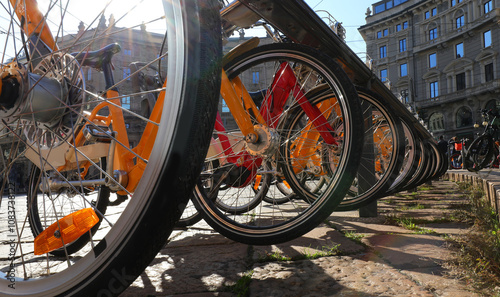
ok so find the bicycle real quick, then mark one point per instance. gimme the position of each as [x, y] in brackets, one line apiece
[78, 142]
[483, 151]
[455, 152]
[305, 114]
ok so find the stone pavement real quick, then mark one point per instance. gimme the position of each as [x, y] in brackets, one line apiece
[346, 256]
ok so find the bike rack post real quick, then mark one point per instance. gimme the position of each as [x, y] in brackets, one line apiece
[366, 169]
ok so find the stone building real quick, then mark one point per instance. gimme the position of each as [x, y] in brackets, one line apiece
[440, 57]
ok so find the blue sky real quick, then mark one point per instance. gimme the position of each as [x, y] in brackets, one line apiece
[351, 14]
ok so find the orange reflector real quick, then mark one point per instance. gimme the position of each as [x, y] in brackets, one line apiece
[286, 184]
[72, 227]
[258, 178]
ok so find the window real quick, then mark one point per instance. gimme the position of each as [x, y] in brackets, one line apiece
[398, 27]
[488, 72]
[493, 105]
[126, 73]
[224, 106]
[402, 45]
[380, 8]
[434, 89]
[379, 34]
[89, 74]
[405, 25]
[488, 7]
[464, 117]
[436, 122]
[386, 32]
[431, 13]
[453, 3]
[383, 51]
[459, 21]
[126, 102]
[383, 74]
[403, 69]
[460, 79]
[387, 5]
[255, 77]
[432, 33]
[459, 50]
[432, 60]
[487, 38]
[127, 52]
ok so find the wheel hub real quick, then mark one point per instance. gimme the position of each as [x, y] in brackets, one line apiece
[41, 98]
[267, 142]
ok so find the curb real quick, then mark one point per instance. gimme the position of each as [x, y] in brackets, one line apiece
[488, 181]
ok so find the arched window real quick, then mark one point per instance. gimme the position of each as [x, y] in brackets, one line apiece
[464, 117]
[494, 105]
[436, 122]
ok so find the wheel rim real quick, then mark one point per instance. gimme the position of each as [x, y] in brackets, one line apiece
[282, 215]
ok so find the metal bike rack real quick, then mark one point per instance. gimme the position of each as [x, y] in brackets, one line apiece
[301, 24]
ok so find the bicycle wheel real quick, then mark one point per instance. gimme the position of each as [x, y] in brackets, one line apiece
[319, 174]
[480, 152]
[383, 153]
[456, 161]
[411, 159]
[189, 217]
[46, 100]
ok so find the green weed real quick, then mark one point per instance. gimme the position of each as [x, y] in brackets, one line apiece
[242, 286]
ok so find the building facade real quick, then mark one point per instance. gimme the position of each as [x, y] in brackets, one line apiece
[440, 57]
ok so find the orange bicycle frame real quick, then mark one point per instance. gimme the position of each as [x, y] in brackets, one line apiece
[123, 159]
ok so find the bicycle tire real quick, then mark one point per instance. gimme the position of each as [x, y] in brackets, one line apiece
[133, 236]
[411, 160]
[189, 217]
[257, 227]
[480, 152]
[456, 161]
[422, 167]
[382, 157]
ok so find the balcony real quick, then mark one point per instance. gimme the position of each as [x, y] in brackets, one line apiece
[478, 90]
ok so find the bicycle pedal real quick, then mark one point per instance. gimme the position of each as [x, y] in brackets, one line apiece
[98, 133]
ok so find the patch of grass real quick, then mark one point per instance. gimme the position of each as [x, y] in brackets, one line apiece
[411, 206]
[416, 206]
[408, 224]
[324, 252]
[388, 201]
[354, 236]
[276, 256]
[477, 253]
[242, 286]
[424, 188]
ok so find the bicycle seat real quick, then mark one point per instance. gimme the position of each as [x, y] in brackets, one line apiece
[96, 59]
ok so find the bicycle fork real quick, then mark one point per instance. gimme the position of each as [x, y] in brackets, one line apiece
[260, 135]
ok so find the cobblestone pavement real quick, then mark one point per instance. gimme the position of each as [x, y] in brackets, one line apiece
[346, 256]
